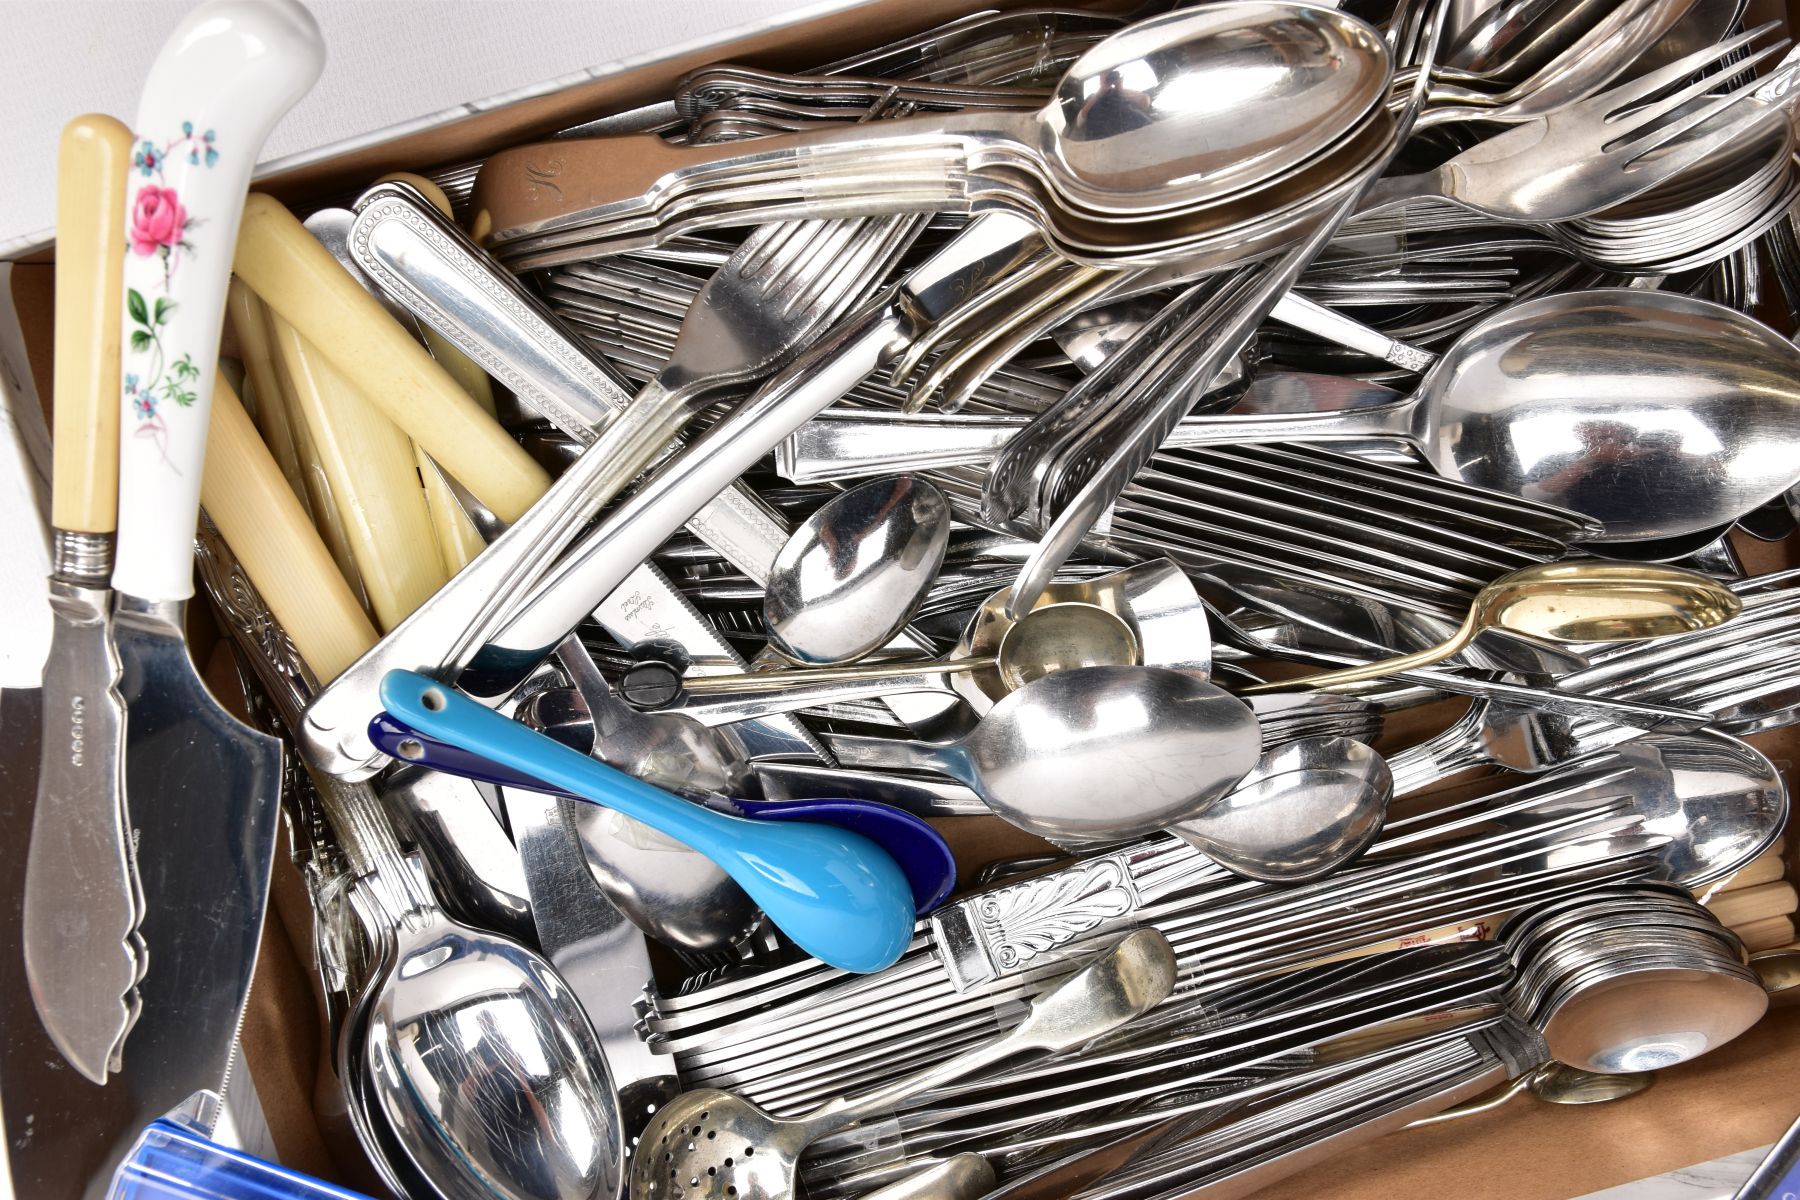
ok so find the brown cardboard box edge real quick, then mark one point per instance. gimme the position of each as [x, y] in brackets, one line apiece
[1739, 1097]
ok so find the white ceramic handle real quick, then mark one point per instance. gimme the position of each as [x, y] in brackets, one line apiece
[230, 70]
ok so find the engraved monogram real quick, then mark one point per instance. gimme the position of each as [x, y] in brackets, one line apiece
[543, 176]
[1026, 920]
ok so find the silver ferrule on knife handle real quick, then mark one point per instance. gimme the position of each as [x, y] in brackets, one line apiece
[81, 559]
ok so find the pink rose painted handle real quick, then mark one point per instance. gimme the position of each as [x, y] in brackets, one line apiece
[225, 76]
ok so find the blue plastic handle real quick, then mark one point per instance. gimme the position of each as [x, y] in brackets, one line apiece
[172, 1162]
[838, 895]
[919, 849]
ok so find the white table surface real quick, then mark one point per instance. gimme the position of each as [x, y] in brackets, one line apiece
[390, 62]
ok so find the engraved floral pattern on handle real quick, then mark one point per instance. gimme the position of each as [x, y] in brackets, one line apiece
[158, 226]
[1033, 918]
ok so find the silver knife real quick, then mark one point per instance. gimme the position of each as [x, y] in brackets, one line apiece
[649, 607]
[83, 903]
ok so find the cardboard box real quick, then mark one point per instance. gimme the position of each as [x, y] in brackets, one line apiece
[1734, 1099]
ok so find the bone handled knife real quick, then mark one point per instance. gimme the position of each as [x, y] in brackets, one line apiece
[82, 903]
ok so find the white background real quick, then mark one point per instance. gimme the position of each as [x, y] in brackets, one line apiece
[388, 62]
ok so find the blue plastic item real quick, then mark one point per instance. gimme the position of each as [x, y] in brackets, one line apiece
[172, 1162]
[919, 849]
[838, 895]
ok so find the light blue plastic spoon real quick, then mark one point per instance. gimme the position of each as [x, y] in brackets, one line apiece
[837, 894]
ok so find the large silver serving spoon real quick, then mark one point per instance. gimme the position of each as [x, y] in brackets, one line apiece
[480, 1060]
[1174, 112]
[1093, 753]
[1307, 808]
[1653, 412]
[852, 575]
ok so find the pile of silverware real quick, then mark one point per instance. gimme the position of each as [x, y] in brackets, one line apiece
[1182, 441]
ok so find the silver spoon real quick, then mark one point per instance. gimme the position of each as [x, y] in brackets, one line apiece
[849, 578]
[1306, 808]
[481, 1061]
[1654, 412]
[1159, 745]
[673, 893]
[1122, 134]
[716, 1144]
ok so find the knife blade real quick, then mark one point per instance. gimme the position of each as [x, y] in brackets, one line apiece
[82, 901]
[203, 787]
[38, 1091]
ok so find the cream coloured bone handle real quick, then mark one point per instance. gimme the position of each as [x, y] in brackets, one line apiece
[299, 279]
[256, 348]
[1767, 867]
[1751, 904]
[261, 518]
[374, 481]
[91, 167]
[1765, 934]
[457, 539]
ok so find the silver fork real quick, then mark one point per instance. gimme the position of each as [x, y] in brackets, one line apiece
[756, 311]
[1598, 153]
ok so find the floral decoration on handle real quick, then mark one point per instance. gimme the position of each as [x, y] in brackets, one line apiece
[159, 227]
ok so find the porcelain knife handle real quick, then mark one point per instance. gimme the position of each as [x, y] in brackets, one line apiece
[294, 275]
[230, 70]
[90, 243]
[249, 500]
[374, 481]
